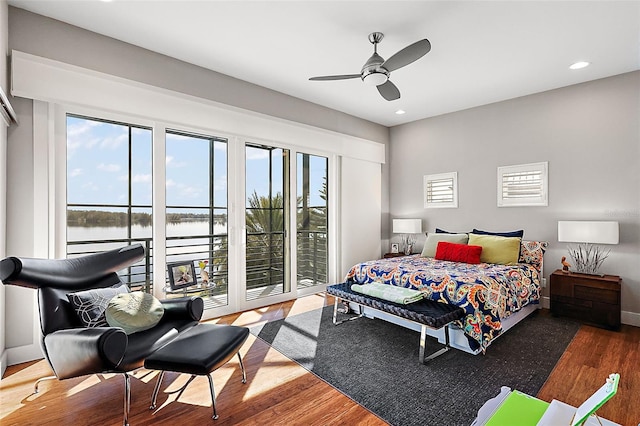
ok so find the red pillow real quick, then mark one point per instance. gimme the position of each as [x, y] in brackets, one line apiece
[458, 252]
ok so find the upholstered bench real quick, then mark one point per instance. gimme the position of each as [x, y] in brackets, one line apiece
[199, 351]
[426, 313]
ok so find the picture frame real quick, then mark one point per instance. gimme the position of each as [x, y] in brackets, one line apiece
[395, 248]
[181, 275]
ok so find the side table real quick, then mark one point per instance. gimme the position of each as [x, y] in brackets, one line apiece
[593, 299]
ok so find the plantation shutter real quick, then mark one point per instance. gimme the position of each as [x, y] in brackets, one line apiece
[523, 185]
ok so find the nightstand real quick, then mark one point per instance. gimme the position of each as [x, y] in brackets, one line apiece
[389, 255]
[590, 298]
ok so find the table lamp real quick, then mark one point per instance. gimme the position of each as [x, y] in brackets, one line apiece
[588, 256]
[407, 227]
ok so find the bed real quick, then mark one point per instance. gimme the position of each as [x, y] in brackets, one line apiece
[494, 296]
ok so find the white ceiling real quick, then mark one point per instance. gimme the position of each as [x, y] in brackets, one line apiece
[482, 51]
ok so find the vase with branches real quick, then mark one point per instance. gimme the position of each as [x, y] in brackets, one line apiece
[588, 257]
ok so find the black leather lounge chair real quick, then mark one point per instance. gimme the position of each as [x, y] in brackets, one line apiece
[73, 349]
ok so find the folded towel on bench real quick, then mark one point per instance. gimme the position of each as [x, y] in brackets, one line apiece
[388, 292]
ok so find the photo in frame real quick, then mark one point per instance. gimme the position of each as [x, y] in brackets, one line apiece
[395, 248]
[181, 274]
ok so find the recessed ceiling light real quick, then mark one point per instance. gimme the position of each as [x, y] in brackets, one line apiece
[578, 65]
[400, 112]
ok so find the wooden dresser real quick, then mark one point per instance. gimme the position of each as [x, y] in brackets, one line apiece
[590, 298]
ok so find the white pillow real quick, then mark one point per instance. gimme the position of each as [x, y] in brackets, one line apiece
[431, 244]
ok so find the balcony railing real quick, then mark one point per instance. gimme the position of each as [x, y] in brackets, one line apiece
[265, 261]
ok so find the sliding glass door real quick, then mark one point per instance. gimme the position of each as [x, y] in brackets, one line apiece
[196, 217]
[312, 220]
[267, 214]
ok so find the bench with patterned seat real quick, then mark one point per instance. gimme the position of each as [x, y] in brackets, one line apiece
[425, 313]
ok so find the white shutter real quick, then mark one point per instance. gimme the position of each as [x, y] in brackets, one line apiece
[523, 185]
[441, 190]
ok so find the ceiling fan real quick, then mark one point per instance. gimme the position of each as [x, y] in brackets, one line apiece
[376, 71]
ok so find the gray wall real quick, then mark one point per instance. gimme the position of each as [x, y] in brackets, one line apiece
[590, 135]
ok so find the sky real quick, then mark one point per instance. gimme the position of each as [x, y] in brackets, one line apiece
[97, 167]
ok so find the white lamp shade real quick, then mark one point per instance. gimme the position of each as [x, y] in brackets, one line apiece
[407, 226]
[595, 232]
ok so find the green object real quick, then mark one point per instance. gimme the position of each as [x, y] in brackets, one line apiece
[133, 312]
[519, 409]
[496, 249]
[596, 400]
[389, 292]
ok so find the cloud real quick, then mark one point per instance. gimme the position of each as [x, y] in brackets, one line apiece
[184, 191]
[111, 168]
[76, 172]
[220, 183]
[113, 143]
[257, 154]
[90, 186]
[172, 164]
[190, 191]
[141, 178]
[79, 135]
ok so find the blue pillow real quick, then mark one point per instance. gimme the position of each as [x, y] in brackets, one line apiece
[518, 234]
[442, 231]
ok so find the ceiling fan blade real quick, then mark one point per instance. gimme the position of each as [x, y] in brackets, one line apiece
[389, 91]
[335, 77]
[409, 54]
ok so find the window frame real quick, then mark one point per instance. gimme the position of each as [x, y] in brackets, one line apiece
[453, 203]
[539, 200]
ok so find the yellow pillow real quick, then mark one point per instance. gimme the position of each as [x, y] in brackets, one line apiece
[496, 249]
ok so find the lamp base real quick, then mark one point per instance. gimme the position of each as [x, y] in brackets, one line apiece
[588, 258]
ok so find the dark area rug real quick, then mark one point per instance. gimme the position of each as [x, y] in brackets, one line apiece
[376, 364]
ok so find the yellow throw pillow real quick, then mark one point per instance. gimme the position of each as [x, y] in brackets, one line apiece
[496, 249]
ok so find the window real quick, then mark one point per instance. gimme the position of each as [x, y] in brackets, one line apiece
[196, 212]
[523, 185]
[312, 220]
[109, 191]
[441, 190]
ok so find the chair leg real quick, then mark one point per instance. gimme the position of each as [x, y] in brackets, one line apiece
[42, 379]
[127, 399]
[244, 375]
[213, 397]
[156, 389]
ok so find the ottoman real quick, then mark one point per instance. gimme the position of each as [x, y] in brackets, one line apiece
[198, 351]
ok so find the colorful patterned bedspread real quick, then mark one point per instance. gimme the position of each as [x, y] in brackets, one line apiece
[487, 292]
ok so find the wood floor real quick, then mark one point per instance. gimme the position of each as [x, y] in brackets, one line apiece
[280, 392]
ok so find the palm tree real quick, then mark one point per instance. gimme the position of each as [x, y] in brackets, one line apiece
[312, 238]
[265, 240]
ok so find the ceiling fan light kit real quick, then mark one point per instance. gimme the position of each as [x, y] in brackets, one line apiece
[375, 78]
[376, 71]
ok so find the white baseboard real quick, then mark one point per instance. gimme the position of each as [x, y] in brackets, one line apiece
[25, 353]
[630, 318]
[545, 302]
[3, 363]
